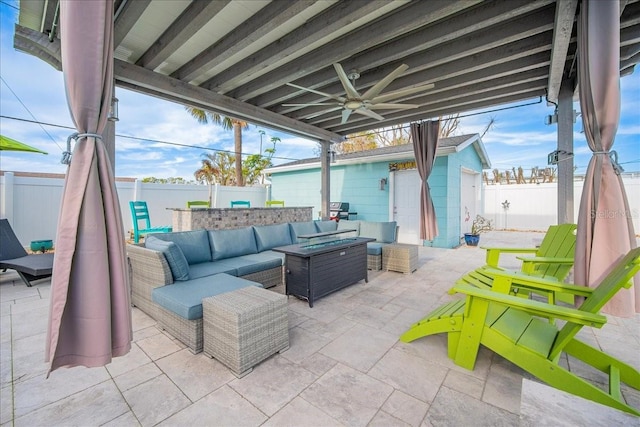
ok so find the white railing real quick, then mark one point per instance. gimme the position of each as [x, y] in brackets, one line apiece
[32, 204]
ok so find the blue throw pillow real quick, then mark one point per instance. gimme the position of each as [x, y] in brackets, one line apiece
[173, 254]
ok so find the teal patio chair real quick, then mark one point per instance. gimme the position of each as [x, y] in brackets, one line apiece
[140, 212]
[240, 203]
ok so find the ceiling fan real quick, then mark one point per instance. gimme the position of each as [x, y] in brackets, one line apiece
[370, 100]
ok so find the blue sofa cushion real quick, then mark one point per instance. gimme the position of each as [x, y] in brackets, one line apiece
[232, 243]
[194, 244]
[173, 254]
[248, 264]
[350, 225]
[272, 254]
[271, 236]
[374, 248]
[324, 226]
[185, 298]
[301, 228]
[381, 231]
[210, 268]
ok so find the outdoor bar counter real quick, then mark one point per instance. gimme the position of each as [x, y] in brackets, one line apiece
[226, 218]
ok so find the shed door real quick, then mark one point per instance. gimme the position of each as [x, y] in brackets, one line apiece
[406, 206]
[469, 199]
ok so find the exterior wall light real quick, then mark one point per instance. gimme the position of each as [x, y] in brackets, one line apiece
[383, 182]
[113, 110]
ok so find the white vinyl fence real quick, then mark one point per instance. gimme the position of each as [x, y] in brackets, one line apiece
[32, 204]
[535, 206]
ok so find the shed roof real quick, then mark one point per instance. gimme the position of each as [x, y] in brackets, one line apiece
[446, 146]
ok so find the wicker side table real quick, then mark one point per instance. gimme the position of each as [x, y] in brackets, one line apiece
[400, 257]
[243, 327]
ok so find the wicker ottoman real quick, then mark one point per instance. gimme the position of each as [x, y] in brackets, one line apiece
[400, 257]
[244, 327]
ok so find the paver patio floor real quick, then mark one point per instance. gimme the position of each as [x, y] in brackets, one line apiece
[345, 365]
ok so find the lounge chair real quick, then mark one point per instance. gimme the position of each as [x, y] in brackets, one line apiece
[553, 259]
[515, 328]
[30, 267]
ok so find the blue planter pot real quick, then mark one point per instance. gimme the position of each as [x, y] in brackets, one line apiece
[41, 245]
[471, 239]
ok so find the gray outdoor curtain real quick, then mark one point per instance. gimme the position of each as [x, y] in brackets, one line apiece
[605, 231]
[425, 143]
[90, 311]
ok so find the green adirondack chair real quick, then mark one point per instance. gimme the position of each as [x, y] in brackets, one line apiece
[553, 259]
[515, 328]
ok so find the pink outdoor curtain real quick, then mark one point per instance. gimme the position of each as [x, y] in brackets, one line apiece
[90, 311]
[605, 231]
[425, 143]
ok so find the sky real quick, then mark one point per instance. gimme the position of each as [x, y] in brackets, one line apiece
[32, 90]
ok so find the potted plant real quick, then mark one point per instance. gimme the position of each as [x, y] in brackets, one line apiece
[480, 225]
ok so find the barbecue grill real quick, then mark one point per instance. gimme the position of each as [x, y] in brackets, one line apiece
[339, 210]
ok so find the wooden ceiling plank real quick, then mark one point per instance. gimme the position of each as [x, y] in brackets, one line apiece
[487, 38]
[190, 21]
[319, 27]
[415, 15]
[260, 24]
[127, 17]
[473, 19]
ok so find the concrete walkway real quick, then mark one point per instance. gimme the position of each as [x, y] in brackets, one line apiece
[345, 365]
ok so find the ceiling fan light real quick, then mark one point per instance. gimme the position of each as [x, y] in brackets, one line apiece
[353, 105]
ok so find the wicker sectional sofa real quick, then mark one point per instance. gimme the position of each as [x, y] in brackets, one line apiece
[173, 272]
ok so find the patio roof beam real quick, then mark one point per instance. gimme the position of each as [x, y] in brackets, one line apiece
[563, 28]
[147, 81]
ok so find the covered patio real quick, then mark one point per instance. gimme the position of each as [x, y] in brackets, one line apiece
[275, 64]
[345, 366]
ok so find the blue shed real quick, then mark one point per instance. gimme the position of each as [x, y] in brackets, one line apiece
[384, 185]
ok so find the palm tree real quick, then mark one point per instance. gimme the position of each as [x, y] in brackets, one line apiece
[227, 123]
[215, 168]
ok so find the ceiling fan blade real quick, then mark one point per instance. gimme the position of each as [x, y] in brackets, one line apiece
[317, 92]
[346, 83]
[309, 105]
[369, 113]
[400, 93]
[345, 115]
[329, 110]
[384, 105]
[378, 87]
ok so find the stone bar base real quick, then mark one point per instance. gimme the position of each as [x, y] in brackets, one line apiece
[222, 219]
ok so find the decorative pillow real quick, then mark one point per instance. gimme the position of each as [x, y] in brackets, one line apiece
[301, 228]
[173, 254]
[324, 226]
[349, 225]
[194, 244]
[232, 243]
[384, 232]
[271, 236]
